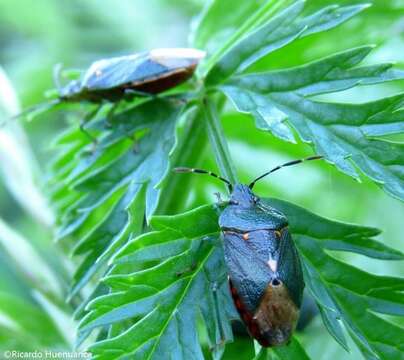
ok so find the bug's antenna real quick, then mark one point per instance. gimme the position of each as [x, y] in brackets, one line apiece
[294, 162]
[32, 111]
[57, 70]
[200, 171]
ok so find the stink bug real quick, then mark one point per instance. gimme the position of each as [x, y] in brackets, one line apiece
[144, 73]
[265, 274]
[122, 78]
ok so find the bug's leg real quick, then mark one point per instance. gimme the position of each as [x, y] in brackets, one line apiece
[194, 249]
[108, 124]
[132, 137]
[179, 99]
[110, 114]
[84, 122]
[130, 93]
[215, 287]
[136, 147]
[85, 132]
[92, 138]
[220, 201]
[189, 269]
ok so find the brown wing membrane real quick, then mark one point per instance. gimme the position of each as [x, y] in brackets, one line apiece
[163, 82]
[275, 318]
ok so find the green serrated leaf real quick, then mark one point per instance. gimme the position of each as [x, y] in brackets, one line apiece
[98, 192]
[168, 295]
[341, 132]
[147, 164]
[165, 292]
[158, 296]
[291, 351]
[222, 18]
[218, 20]
[336, 282]
[279, 31]
[336, 235]
[125, 218]
[332, 323]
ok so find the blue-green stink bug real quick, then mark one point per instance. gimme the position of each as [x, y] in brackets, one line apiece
[264, 269]
[125, 77]
[149, 72]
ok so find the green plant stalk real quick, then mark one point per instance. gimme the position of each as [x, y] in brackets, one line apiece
[218, 141]
[255, 20]
[193, 138]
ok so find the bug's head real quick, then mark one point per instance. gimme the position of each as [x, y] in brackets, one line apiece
[67, 92]
[243, 196]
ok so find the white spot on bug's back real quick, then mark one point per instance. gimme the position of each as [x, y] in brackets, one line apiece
[273, 264]
[97, 68]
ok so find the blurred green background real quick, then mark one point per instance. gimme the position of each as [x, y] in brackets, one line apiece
[36, 35]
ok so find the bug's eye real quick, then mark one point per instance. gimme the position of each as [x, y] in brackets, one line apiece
[256, 199]
[233, 202]
[276, 282]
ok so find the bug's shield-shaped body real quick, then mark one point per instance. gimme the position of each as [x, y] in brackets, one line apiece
[149, 72]
[264, 269]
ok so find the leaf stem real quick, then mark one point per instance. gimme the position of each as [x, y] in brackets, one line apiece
[188, 153]
[218, 141]
[255, 20]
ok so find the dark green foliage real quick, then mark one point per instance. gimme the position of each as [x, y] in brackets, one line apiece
[347, 131]
[120, 177]
[191, 271]
[163, 279]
